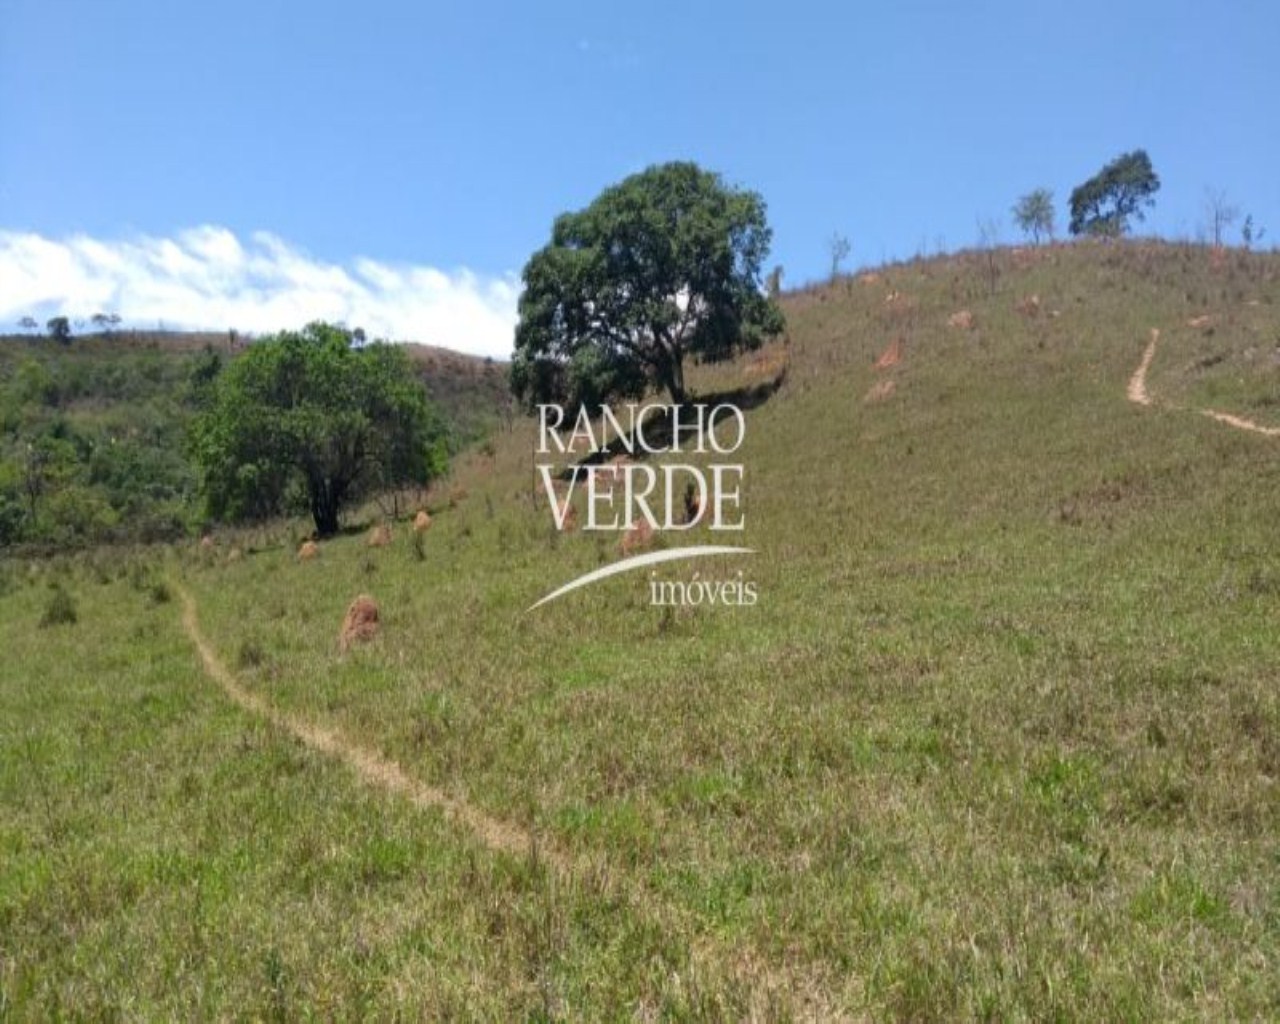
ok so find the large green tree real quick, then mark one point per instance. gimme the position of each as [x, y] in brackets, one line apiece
[1104, 204]
[313, 417]
[661, 267]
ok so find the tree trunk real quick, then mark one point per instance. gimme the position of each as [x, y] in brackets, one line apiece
[324, 507]
[675, 381]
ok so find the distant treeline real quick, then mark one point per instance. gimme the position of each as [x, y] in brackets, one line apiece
[94, 433]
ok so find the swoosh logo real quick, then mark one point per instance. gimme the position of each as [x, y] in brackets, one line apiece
[639, 562]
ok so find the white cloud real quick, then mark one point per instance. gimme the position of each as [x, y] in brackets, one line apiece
[207, 278]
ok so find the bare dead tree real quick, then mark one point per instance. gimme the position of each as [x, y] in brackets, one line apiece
[1219, 215]
[840, 248]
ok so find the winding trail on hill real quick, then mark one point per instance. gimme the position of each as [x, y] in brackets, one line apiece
[771, 985]
[1138, 382]
[372, 767]
[1240, 423]
[1137, 393]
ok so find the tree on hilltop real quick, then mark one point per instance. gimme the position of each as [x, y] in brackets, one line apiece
[1219, 214]
[661, 267]
[1104, 204]
[839, 247]
[105, 322]
[1033, 214]
[59, 328]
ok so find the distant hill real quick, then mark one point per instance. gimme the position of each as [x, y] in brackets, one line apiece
[92, 432]
[471, 391]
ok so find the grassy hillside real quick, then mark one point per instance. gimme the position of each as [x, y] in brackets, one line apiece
[998, 740]
[472, 393]
[93, 433]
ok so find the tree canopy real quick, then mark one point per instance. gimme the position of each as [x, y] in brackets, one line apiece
[59, 328]
[661, 267]
[1033, 214]
[311, 419]
[1104, 203]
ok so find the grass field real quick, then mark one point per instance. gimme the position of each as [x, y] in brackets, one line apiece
[1001, 738]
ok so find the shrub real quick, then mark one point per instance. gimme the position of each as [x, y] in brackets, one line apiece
[60, 611]
[251, 654]
[12, 518]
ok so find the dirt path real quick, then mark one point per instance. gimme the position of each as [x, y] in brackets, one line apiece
[1240, 423]
[372, 767]
[1137, 392]
[789, 986]
[1138, 382]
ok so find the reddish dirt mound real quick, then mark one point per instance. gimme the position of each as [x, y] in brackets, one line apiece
[380, 536]
[360, 622]
[693, 507]
[637, 538]
[1023, 258]
[879, 392]
[613, 472]
[963, 319]
[1028, 306]
[891, 356]
[308, 551]
[421, 522]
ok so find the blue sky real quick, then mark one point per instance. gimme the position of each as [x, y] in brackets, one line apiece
[396, 163]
